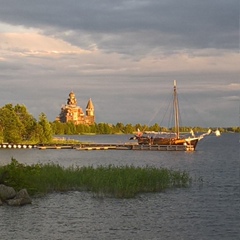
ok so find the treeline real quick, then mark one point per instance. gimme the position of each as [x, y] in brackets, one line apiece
[59, 128]
[101, 128]
[17, 125]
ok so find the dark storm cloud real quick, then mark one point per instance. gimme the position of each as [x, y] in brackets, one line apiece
[130, 26]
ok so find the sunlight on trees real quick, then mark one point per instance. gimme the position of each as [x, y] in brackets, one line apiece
[17, 125]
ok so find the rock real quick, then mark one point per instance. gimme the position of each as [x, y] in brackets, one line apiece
[23, 194]
[6, 192]
[21, 198]
[1, 203]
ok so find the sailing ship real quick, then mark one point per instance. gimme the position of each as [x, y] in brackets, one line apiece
[172, 141]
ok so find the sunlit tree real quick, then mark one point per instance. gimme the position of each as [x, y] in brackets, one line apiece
[45, 130]
[11, 126]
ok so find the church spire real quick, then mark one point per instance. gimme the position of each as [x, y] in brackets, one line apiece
[90, 108]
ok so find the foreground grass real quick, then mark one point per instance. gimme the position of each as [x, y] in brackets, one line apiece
[120, 182]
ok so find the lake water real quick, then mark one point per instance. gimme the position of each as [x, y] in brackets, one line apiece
[208, 210]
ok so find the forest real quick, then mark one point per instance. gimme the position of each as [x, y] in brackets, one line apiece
[17, 125]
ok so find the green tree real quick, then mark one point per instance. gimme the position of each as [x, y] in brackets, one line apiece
[129, 129]
[93, 128]
[70, 128]
[58, 128]
[44, 129]
[119, 128]
[11, 126]
[82, 128]
[155, 128]
[28, 121]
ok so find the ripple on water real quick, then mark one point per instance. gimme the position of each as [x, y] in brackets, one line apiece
[209, 209]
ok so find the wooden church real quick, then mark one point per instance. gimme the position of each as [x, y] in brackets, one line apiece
[71, 112]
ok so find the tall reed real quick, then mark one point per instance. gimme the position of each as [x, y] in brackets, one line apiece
[116, 181]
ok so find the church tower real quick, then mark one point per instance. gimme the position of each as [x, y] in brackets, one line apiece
[90, 116]
[90, 108]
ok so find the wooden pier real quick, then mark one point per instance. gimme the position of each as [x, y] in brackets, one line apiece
[128, 146]
[45, 147]
[104, 146]
[100, 146]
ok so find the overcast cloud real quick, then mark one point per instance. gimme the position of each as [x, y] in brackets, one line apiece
[124, 55]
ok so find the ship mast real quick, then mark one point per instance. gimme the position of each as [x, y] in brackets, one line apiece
[176, 109]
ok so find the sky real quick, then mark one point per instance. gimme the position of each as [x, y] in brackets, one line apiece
[124, 55]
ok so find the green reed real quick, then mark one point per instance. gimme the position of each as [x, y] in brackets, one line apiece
[116, 181]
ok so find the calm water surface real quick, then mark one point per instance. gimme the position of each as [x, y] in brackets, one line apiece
[209, 209]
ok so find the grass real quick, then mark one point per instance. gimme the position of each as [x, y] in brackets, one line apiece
[114, 181]
[63, 140]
